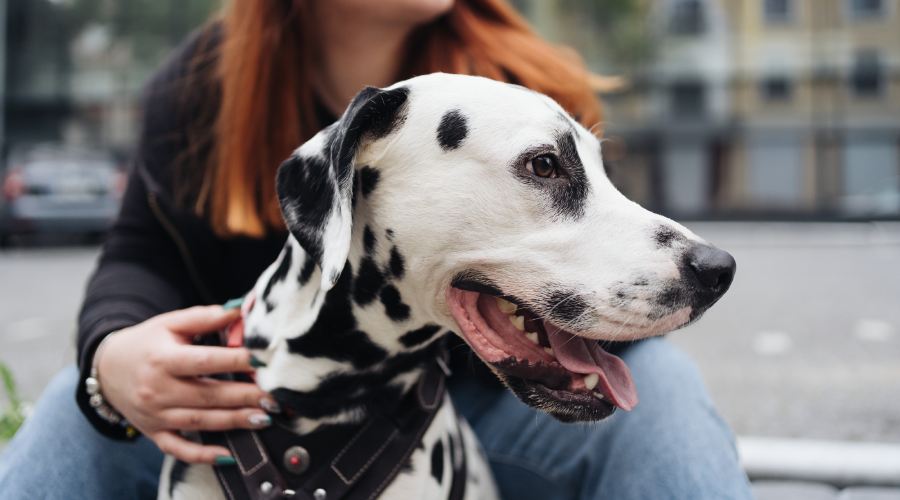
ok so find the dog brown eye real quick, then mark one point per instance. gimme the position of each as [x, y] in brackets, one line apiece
[545, 166]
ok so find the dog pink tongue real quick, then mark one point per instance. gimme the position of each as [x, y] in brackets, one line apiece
[585, 356]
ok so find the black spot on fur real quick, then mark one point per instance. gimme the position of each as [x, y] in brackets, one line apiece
[387, 111]
[309, 265]
[666, 237]
[176, 475]
[397, 264]
[569, 199]
[389, 233]
[566, 305]
[368, 180]
[306, 185]
[305, 193]
[256, 341]
[418, 336]
[368, 240]
[367, 391]
[393, 303]
[334, 335]
[452, 130]
[280, 273]
[437, 461]
[368, 283]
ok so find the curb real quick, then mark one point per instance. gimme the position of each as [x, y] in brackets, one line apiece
[840, 463]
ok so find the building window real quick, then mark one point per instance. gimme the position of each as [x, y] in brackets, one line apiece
[688, 18]
[687, 99]
[866, 79]
[866, 9]
[778, 11]
[776, 88]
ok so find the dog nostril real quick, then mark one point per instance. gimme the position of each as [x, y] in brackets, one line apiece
[713, 268]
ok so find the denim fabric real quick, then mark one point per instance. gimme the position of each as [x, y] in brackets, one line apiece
[57, 454]
[673, 445]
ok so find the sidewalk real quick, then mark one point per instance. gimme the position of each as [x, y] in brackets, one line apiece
[796, 469]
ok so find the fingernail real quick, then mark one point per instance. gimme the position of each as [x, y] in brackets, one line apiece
[256, 362]
[233, 304]
[224, 460]
[260, 420]
[270, 405]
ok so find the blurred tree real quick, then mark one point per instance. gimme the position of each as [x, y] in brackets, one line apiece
[614, 36]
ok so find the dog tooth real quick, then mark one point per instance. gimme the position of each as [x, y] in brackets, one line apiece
[505, 306]
[591, 381]
[518, 322]
[598, 395]
[532, 337]
[549, 350]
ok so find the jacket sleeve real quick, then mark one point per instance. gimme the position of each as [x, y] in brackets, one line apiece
[141, 272]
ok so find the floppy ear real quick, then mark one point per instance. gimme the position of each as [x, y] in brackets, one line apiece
[315, 185]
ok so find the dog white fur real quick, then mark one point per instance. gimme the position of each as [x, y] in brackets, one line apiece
[447, 185]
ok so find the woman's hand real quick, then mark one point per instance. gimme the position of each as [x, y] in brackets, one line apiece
[154, 377]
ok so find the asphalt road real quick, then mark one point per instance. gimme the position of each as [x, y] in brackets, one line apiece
[806, 343]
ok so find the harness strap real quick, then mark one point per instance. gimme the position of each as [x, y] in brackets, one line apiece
[357, 461]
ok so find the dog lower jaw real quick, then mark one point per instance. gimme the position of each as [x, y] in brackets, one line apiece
[529, 367]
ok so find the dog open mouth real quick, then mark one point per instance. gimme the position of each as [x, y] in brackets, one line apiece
[548, 367]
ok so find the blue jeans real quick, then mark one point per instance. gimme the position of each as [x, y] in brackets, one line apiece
[672, 446]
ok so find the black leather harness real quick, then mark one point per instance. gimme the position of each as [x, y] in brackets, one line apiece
[335, 461]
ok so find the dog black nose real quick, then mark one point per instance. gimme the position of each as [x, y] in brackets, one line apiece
[711, 270]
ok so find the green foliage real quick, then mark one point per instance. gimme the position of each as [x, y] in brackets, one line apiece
[612, 35]
[13, 417]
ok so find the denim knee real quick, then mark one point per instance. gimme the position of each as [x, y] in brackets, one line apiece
[57, 452]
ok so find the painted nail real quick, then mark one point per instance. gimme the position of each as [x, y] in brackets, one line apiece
[260, 420]
[233, 304]
[224, 460]
[270, 405]
[256, 362]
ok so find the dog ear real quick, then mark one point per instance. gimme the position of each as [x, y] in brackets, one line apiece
[315, 185]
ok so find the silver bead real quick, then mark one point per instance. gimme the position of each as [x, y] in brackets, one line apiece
[96, 401]
[288, 493]
[266, 487]
[320, 494]
[92, 385]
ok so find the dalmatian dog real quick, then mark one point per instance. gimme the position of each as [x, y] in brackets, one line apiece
[450, 203]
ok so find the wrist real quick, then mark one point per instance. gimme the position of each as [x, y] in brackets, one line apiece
[94, 389]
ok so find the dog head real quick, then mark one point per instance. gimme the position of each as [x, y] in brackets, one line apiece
[497, 211]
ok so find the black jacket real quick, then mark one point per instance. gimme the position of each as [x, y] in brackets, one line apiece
[159, 257]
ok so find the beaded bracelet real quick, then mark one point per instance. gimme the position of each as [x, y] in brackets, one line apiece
[92, 386]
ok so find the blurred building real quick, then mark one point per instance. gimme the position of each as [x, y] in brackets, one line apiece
[773, 108]
[72, 69]
[730, 108]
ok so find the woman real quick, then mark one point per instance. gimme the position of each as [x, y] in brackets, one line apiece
[200, 221]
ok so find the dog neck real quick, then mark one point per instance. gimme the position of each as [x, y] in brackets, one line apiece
[336, 356]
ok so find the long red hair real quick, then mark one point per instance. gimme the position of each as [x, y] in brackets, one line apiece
[267, 102]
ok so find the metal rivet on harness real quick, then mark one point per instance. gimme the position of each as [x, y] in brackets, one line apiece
[266, 487]
[296, 459]
[320, 494]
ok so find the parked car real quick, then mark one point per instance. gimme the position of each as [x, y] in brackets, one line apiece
[53, 190]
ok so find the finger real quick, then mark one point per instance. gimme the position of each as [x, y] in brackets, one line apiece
[198, 319]
[192, 419]
[191, 360]
[208, 393]
[187, 451]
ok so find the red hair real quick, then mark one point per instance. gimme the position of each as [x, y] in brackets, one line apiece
[267, 105]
